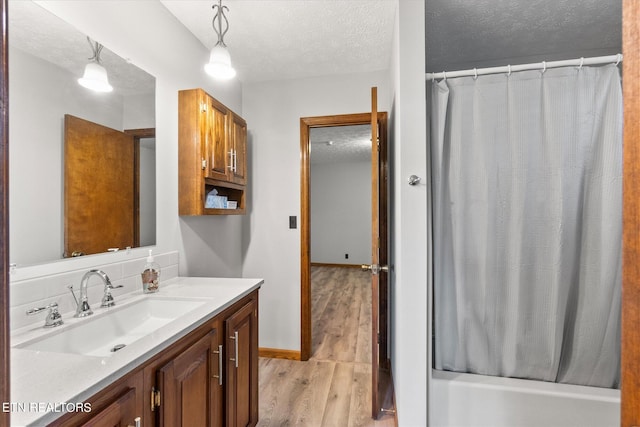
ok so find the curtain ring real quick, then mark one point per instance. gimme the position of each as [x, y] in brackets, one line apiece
[544, 66]
[509, 70]
[444, 76]
[618, 59]
[475, 74]
[581, 63]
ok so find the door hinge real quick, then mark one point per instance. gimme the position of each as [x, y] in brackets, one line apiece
[204, 164]
[155, 398]
[203, 107]
[378, 337]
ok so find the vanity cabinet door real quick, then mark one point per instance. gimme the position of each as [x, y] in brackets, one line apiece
[118, 405]
[121, 412]
[241, 392]
[190, 390]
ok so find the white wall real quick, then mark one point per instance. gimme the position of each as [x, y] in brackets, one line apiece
[139, 111]
[147, 34]
[272, 250]
[341, 212]
[410, 280]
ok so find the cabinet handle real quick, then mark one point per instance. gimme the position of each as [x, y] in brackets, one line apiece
[220, 362]
[136, 422]
[235, 338]
[235, 160]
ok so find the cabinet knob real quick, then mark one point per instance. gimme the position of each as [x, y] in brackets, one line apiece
[137, 422]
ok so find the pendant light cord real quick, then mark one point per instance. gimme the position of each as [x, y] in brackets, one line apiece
[96, 48]
[219, 16]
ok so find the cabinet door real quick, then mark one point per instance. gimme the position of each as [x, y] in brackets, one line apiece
[242, 366]
[190, 395]
[119, 404]
[216, 138]
[238, 144]
[120, 413]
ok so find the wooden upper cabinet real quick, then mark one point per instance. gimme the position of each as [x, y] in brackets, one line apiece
[212, 154]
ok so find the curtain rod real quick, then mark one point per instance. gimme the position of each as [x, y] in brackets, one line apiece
[508, 69]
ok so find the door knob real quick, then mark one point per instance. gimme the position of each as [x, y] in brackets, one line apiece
[375, 268]
[414, 180]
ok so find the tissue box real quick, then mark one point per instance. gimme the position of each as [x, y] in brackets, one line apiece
[215, 202]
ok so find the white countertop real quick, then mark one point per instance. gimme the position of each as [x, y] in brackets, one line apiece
[41, 379]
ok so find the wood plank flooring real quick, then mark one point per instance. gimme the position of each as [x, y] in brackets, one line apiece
[333, 388]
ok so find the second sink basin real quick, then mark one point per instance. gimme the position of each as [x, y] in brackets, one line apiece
[103, 335]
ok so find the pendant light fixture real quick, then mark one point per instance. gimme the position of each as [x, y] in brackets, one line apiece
[219, 65]
[95, 75]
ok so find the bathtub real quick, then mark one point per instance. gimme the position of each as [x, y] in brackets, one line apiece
[476, 400]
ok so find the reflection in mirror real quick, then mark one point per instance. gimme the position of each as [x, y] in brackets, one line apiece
[46, 58]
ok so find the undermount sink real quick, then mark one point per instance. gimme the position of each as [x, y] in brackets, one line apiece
[109, 332]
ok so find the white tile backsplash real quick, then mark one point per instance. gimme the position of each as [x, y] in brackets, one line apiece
[38, 292]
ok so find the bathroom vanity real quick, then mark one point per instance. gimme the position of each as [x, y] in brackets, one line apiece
[198, 367]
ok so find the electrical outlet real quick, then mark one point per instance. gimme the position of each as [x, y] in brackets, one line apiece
[293, 222]
[346, 256]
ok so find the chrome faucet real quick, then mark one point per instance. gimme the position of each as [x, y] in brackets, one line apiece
[83, 309]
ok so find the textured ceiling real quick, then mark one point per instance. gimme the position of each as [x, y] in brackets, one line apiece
[283, 39]
[462, 34]
[38, 32]
[340, 144]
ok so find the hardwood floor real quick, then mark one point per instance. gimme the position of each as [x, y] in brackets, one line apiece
[333, 388]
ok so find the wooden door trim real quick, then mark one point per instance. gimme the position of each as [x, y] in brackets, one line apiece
[630, 342]
[5, 383]
[137, 134]
[306, 123]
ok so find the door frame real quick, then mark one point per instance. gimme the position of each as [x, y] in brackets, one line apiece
[630, 336]
[137, 134]
[5, 371]
[306, 123]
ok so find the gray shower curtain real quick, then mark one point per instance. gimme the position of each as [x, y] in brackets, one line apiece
[527, 218]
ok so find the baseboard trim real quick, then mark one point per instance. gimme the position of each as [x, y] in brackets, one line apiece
[324, 264]
[276, 353]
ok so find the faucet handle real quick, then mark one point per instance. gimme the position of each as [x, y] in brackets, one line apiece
[107, 299]
[54, 318]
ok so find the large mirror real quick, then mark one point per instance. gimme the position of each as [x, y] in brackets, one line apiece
[46, 58]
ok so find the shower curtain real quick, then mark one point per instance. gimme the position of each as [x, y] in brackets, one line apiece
[527, 224]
